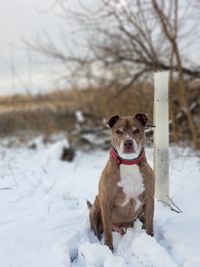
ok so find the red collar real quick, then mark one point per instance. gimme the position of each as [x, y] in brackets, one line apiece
[119, 160]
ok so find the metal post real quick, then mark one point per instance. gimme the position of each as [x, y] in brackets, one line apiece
[161, 135]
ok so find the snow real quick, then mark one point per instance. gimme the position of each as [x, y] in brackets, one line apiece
[44, 217]
[79, 116]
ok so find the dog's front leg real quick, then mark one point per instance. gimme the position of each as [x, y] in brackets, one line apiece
[107, 223]
[148, 215]
[149, 203]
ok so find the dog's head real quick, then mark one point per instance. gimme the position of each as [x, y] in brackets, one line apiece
[128, 137]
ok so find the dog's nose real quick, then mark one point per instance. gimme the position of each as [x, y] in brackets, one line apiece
[128, 143]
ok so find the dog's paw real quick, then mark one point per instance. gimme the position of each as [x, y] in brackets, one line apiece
[122, 230]
[111, 248]
[150, 232]
[110, 245]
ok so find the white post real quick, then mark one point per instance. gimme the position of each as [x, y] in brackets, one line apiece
[161, 135]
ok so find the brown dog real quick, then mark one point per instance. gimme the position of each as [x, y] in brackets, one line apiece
[126, 187]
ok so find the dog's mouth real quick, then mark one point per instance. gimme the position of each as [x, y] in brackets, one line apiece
[129, 150]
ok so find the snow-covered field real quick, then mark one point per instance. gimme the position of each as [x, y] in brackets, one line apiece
[44, 218]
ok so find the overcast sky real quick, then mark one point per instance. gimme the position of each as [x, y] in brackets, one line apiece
[23, 71]
[19, 68]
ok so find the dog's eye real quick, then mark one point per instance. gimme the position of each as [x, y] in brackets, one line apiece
[119, 131]
[136, 131]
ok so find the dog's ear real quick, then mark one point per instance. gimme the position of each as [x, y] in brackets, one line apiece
[141, 117]
[113, 120]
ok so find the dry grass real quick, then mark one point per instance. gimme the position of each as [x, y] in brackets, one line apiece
[101, 102]
[46, 121]
[55, 111]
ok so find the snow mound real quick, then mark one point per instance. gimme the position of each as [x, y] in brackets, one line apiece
[45, 222]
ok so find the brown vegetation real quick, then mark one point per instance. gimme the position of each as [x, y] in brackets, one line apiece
[55, 112]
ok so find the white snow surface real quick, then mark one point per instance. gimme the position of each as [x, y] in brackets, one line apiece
[44, 218]
[79, 116]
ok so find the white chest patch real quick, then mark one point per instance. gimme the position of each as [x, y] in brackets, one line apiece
[131, 182]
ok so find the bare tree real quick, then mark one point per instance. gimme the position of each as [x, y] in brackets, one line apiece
[123, 41]
[171, 35]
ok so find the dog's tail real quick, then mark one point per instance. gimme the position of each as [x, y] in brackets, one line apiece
[89, 204]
